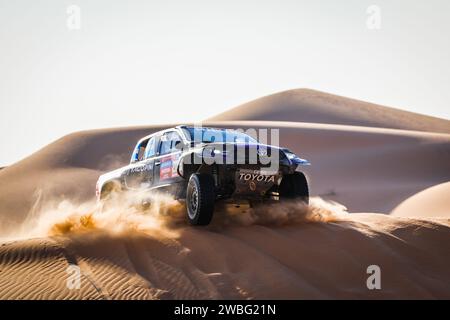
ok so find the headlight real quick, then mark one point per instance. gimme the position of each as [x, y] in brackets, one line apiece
[218, 151]
[290, 155]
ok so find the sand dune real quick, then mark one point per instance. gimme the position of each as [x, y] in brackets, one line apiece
[307, 258]
[431, 202]
[305, 105]
[366, 157]
[69, 166]
[367, 169]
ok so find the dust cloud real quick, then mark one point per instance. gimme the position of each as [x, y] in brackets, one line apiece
[159, 215]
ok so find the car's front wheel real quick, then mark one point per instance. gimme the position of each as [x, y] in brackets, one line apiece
[109, 195]
[200, 199]
[295, 187]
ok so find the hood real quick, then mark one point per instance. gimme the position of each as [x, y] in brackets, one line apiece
[258, 151]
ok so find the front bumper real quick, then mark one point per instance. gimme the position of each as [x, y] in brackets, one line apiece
[255, 183]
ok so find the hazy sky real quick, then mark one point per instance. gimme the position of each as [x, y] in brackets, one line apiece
[145, 62]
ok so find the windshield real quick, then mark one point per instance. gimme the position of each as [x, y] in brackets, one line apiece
[208, 135]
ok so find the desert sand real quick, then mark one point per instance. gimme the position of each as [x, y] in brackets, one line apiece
[380, 182]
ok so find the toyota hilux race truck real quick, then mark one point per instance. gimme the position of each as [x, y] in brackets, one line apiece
[204, 165]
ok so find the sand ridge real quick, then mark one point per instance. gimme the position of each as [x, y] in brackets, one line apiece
[232, 259]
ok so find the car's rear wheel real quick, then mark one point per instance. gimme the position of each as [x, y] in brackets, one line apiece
[200, 199]
[294, 187]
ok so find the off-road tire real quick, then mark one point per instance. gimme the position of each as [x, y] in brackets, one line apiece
[294, 187]
[200, 199]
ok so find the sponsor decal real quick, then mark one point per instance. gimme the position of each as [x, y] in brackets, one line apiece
[165, 171]
[140, 168]
[168, 167]
[256, 177]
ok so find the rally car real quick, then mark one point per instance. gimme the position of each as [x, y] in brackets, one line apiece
[204, 165]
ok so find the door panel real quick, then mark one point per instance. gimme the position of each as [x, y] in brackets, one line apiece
[140, 175]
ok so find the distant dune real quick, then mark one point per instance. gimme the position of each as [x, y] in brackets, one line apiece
[369, 158]
[68, 167]
[305, 105]
[431, 202]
